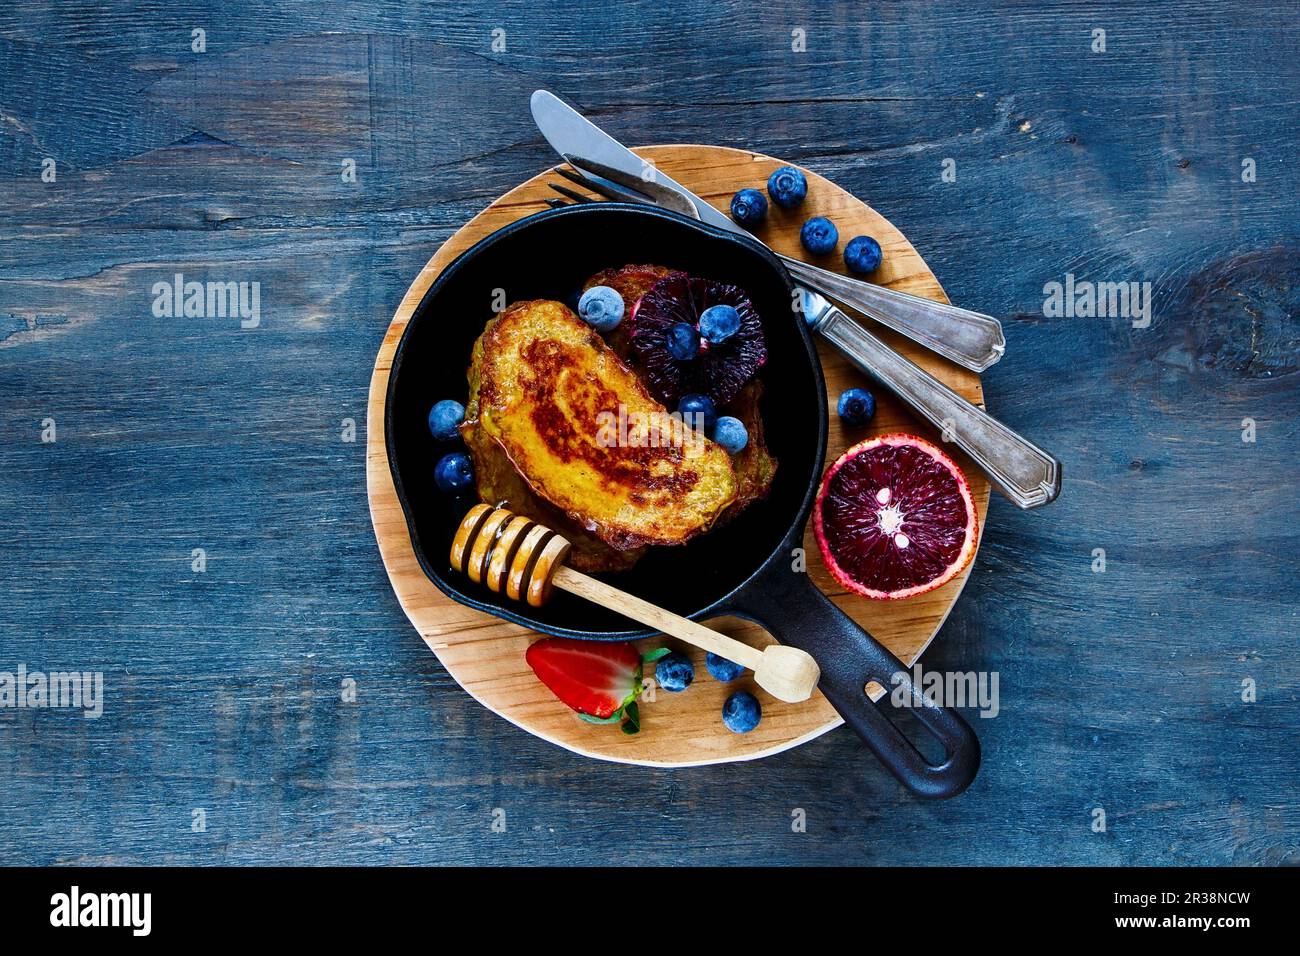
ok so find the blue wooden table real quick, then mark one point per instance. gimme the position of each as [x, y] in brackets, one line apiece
[183, 508]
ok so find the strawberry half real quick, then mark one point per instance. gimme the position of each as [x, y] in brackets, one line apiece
[600, 681]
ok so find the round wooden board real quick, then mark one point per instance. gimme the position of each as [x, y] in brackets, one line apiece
[486, 655]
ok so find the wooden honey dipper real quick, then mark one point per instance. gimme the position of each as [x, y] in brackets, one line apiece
[514, 555]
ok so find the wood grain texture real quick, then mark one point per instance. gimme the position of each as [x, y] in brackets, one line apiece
[1119, 690]
[486, 656]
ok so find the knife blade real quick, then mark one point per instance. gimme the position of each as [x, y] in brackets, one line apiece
[585, 145]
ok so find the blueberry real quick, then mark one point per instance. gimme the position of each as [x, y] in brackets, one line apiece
[454, 472]
[719, 323]
[862, 255]
[730, 434]
[857, 406]
[683, 341]
[674, 672]
[819, 235]
[721, 668]
[601, 307]
[444, 418]
[787, 187]
[742, 712]
[698, 405]
[749, 207]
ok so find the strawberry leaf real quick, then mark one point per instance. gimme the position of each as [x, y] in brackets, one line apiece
[633, 723]
[649, 657]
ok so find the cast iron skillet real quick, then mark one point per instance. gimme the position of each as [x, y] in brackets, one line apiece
[743, 568]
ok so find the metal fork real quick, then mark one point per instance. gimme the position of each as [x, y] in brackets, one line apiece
[1016, 467]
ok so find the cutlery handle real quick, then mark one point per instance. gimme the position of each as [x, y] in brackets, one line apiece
[971, 339]
[1020, 470]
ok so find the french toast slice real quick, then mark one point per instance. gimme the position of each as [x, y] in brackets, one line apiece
[586, 436]
[755, 467]
[500, 485]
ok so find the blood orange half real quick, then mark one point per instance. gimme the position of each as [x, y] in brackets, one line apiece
[894, 517]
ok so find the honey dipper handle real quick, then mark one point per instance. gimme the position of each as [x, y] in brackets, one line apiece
[575, 582]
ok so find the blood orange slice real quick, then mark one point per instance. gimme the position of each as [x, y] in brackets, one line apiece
[720, 370]
[894, 517]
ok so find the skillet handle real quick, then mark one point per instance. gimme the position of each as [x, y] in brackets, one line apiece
[795, 611]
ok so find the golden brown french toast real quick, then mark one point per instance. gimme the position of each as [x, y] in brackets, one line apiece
[549, 392]
[500, 485]
[754, 465]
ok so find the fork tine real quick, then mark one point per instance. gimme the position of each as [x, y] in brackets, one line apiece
[557, 203]
[573, 176]
[603, 186]
[570, 194]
